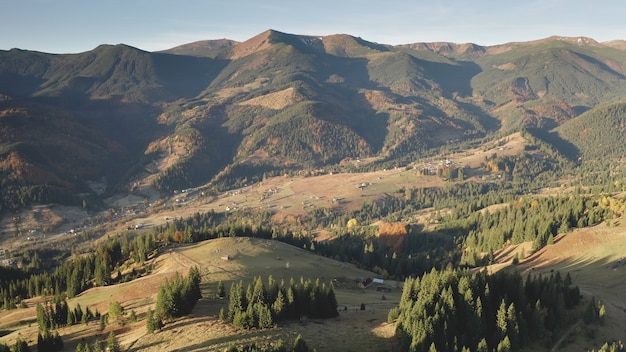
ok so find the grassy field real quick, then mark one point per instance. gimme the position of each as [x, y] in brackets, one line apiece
[249, 258]
[594, 257]
[353, 330]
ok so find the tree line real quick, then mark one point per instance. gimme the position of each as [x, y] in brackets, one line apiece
[261, 305]
[456, 310]
[176, 298]
[299, 345]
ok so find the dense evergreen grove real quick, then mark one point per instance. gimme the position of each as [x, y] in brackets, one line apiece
[262, 305]
[177, 297]
[76, 275]
[14, 196]
[463, 311]
[603, 141]
[19, 346]
[538, 220]
[52, 316]
[299, 345]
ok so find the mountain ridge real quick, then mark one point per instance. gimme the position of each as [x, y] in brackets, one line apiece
[229, 112]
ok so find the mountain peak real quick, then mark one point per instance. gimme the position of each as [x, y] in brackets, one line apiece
[202, 47]
[257, 43]
[350, 46]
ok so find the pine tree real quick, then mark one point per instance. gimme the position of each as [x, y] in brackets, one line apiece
[21, 346]
[237, 301]
[601, 314]
[103, 321]
[115, 309]
[299, 345]
[265, 320]
[221, 291]
[85, 316]
[80, 347]
[329, 301]
[279, 307]
[501, 321]
[482, 346]
[194, 279]
[97, 346]
[259, 292]
[151, 325]
[165, 306]
[504, 345]
[43, 320]
[112, 343]
[513, 329]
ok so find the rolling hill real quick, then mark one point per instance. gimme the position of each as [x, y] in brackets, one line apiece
[597, 272]
[249, 258]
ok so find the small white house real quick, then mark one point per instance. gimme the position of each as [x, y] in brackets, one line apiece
[378, 281]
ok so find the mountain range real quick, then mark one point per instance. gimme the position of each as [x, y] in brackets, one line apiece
[77, 127]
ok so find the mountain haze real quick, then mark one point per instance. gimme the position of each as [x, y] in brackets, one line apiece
[231, 112]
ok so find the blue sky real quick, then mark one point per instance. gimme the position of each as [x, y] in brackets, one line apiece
[71, 26]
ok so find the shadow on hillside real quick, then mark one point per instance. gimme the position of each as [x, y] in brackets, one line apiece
[563, 146]
[321, 335]
[453, 78]
[600, 271]
[19, 85]
[501, 255]
[353, 330]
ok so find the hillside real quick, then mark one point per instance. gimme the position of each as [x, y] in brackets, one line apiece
[456, 168]
[249, 258]
[596, 272]
[598, 133]
[231, 112]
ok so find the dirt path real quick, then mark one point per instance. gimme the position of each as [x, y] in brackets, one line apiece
[565, 335]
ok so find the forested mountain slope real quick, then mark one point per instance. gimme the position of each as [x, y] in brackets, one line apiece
[598, 133]
[230, 112]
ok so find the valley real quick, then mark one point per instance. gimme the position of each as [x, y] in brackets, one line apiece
[287, 198]
[372, 197]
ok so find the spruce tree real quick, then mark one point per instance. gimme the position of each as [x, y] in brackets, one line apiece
[279, 307]
[21, 346]
[482, 346]
[151, 325]
[115, 309]
[112, 343]
[265, 320]
[221, 291]
[97, 346]
[299, 345]
[504, 345]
